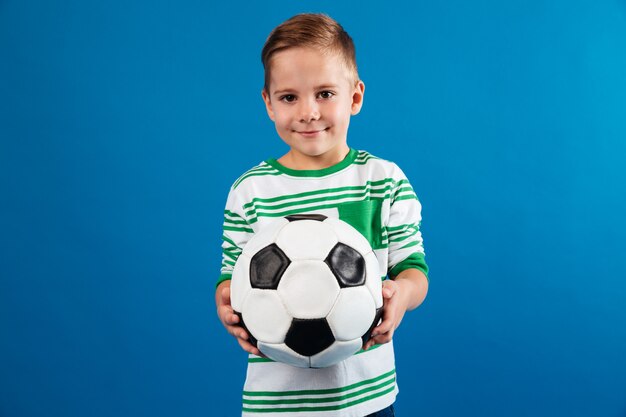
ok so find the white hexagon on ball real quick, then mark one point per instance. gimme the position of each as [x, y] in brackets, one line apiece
[352, 314]
[308, 289]
[306, 239]
[261, 307]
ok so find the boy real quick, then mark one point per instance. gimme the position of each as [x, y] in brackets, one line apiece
[311, 90]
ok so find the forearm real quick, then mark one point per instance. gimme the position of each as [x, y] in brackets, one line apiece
[413, 287]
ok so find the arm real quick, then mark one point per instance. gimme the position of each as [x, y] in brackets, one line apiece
[405, 293]
[229, 319]
[236, 233]
[407, 267]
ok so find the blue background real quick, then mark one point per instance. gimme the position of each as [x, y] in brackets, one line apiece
[123, 124]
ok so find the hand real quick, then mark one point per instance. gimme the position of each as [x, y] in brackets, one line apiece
[394, 307]
[404, 293]
[230, 320]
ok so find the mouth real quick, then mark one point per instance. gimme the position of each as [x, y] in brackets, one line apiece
[311, 133]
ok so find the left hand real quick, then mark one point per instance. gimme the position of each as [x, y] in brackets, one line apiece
[395, 304]
[406, 292]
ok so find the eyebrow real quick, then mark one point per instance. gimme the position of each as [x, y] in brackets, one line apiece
[319, 87]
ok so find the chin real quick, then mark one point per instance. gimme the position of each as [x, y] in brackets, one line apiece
[315, 152]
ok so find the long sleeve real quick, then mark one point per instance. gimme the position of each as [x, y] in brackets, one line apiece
[406, 246]
[236, 233]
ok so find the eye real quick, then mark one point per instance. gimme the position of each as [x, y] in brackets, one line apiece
[288, 98]
[326, 94]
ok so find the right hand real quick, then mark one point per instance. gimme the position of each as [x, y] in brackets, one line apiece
[230, 320]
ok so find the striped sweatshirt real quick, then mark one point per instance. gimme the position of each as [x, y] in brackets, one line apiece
[375, 197]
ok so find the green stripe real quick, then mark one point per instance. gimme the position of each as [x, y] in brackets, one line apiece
[403, 232]
[232, 214]
[326, 408]
[366, 155]
[233, 251]
[227, 240]
[364, 160]
[400, 228]
[407, 197]
[323, 399]
[415, 260]
[336, 199]
[259, 360]
[296, 211]
[233, 256]
[403, 238]
[370, 184]
[227, 220]
[239, 229]
[255, 210]
[318, 391]
[410, 245]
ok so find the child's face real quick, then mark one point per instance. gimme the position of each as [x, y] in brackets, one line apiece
[310, 100]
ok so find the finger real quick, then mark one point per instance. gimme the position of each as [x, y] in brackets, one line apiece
[226, 314]
[369, 344]
[383, 338]
[248, 347]
[231, 318]
[383, 328]
[388, 322]
[237, 332]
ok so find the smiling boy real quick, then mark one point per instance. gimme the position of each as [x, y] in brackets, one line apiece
[311, 90]
[310, 97]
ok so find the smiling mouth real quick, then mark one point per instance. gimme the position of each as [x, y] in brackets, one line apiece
[311, 132]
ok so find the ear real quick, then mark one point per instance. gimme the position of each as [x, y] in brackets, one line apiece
[268, 103]
[357, 97]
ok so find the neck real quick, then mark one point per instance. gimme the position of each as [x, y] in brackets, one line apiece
[296, 160]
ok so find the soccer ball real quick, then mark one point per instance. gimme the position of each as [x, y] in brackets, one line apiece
[308, 290]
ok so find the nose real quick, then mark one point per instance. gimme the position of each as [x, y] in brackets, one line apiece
[309, 111]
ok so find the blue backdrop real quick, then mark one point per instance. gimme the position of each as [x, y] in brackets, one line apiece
[123, 124]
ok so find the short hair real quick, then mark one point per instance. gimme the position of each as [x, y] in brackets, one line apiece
[315, 30]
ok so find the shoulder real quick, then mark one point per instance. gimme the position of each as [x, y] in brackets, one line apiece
[378, 164]
[255, 174]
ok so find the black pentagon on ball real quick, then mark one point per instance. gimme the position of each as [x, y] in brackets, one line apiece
[347, 265]
[309, 336]
[296, 217]
[267, 267]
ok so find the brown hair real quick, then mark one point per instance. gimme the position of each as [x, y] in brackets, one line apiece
[313, 30]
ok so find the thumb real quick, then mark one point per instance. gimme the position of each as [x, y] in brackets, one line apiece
[389, 289]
